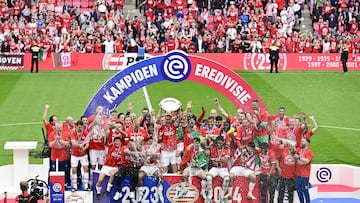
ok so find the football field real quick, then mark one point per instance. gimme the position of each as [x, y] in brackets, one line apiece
[333, 98]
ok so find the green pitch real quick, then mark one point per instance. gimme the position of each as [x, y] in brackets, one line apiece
[332, 97]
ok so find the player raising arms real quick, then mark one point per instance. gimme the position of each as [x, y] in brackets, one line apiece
[97, 133]
[195, 162]
[219, 155]
[167, 137]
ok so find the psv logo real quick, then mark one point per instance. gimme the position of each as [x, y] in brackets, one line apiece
[259, 61]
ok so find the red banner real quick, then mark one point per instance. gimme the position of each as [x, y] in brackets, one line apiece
[307, 62]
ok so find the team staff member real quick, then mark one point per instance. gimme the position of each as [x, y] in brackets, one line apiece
[35, 50]
[274, 57]
[303, 166]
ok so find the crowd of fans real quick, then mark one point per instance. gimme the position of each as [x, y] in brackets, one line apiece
[230, 26]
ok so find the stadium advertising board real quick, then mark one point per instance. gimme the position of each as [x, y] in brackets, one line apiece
[238, 61]
[12, 61]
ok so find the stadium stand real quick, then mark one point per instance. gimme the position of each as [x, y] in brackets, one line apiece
[192, 26]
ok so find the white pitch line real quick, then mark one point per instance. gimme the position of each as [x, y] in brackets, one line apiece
[15, 124]
[337, 127]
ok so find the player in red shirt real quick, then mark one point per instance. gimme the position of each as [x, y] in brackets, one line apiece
[79, 150]
[235, 121]
[292, 133]
[244, 165]
[268, 177]
[276, 136]
[219, 155]
[110, 168]
[245, 133]
[305, 129]
[168, 138]
[97, 133]
[281, 119]
[59, 142]
[303, 158]
[286, 169]
[49, 124]
[210, 132]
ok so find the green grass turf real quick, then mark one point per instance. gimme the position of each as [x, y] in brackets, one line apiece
[331, 96]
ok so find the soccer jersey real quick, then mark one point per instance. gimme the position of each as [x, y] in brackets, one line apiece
[244, 159]
[304, 169]
[168, 137]
[114, 156]
[244, 135]
[59, 151]
[266, 161]
[287, 163]
[80, 138]
[217, 153]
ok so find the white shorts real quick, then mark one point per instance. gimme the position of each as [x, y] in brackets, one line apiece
[168, 157]
[150, 170]
[84, 161]
[180, 147]
[193, 171]
[241, 171]
[106, 170]
[97, 157]
[222, 172]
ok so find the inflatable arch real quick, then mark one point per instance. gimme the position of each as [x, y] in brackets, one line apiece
[175, 66]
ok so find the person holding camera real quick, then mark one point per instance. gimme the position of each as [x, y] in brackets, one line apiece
[274, 57]
[25, 196]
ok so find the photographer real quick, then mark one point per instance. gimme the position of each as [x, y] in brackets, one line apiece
[25, 196]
